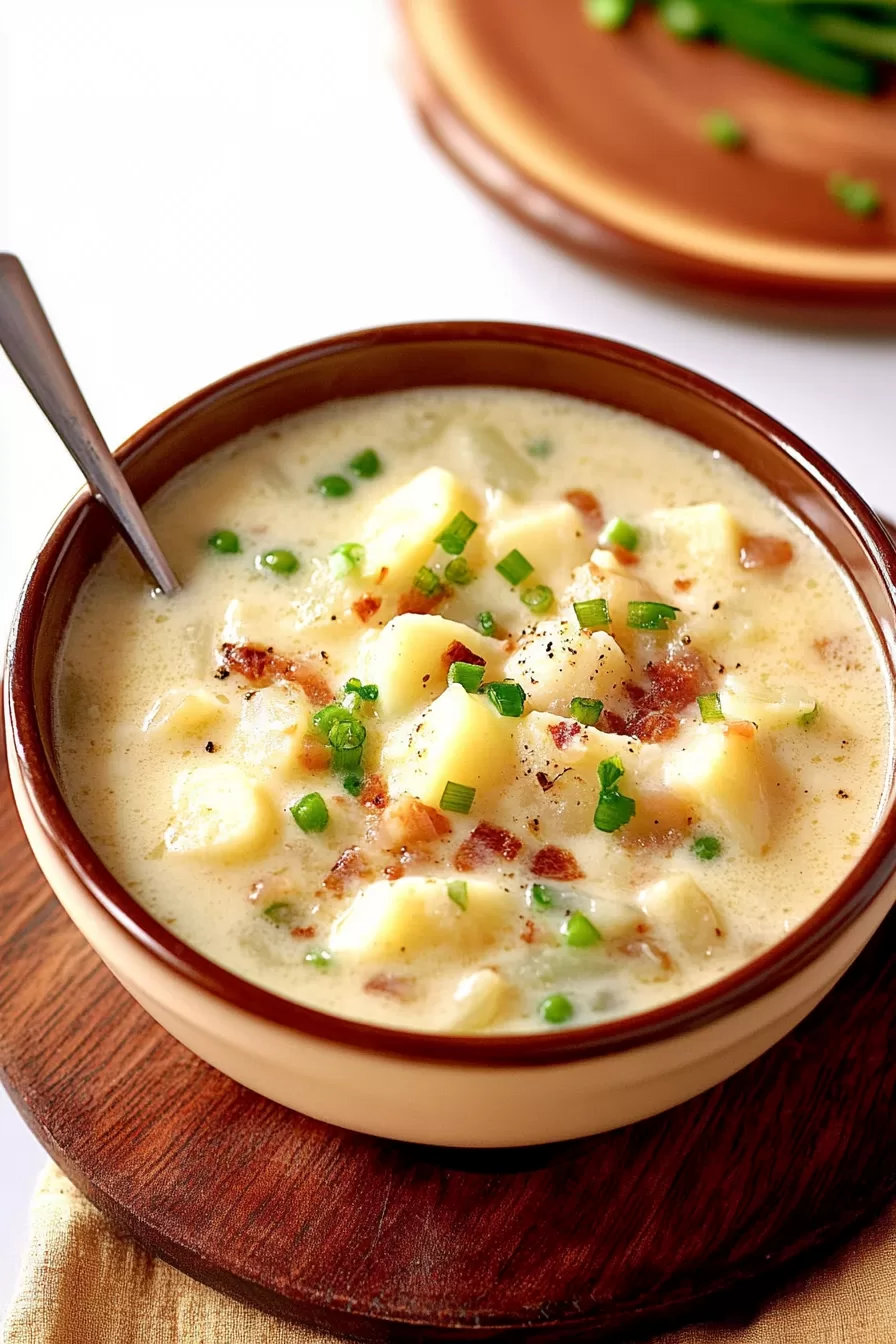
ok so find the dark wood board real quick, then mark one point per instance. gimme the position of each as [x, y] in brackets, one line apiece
[597, 1240]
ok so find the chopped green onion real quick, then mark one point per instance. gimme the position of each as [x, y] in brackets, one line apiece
[468, 675]
[687, 19]
[459, 572]
[585, 710]
[280, 912]
[345, 558]
[456, 535]
[539, 598]
[323, 719]
[310, 813]
[593, 613]
[857, 196]
[514, 567]
[541, 895]
[613, 810]
[608, 14]
[457, 797]
[507, 697]
[334, 487]
[353, 784]
[710, 707]
[366, 464]
[457, 892]
[369, 691]
[808, 716]
[319, 957]
[225, 542]
[427, 581]
[768, 33]
[354, 687]
[609, 772]
[619, 533]
[539, 447]
[555, 1010]
[278, 562]
[651, 615]
[487, 623]
[707, 847]
[579, 931]
[347, 738]
[722, 130]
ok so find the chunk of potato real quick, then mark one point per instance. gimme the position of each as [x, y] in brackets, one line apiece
[700, 539]
[478, 998]
[766, 708]
[272, 723]
[551, 537]
[559, 769]
[415, 915]
[183, 713]
[614, 919]
[678, 902]
[406, 659]
[720, 771]
[483, 452]
[461, 738]
[617, 589]
[220, 813]
[401, 530]
[559, 660]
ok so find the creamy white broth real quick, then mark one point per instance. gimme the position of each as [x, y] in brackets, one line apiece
[390, 946]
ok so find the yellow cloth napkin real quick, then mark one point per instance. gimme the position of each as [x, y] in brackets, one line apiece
[83, 1283]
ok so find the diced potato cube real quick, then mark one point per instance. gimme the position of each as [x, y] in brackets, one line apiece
[483, 452]
[406, 659]
[272, 723]
[614, 919]
[766, 708]
[700, 539]
[677, 901]
[219, 813]
[571, 746]
[560, 660]
[415, 915]
[551, 537]
[183, 713]
[479, 998]
[720, 771]
[617, 589]
[401, 530]
[460, 738]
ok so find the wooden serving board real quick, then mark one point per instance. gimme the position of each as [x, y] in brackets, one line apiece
[594, 140]
[593, 1240]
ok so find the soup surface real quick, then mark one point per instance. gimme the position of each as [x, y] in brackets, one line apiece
[479, 710]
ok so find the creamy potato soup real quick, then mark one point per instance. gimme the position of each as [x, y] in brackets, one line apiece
[479, 710]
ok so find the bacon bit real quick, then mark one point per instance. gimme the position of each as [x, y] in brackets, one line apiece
[624, 557]
[683, 585]
[307, 931]
[552, 861]
[393, 871]
[741, 728]
[653, 725]
[587, 505]
[634, 692]
[563, 733]
[483, 843]
[374, 794]
[351, 863]
[418, 603]
[381, 576]
[400, 987]
[544, 781]
[314, 755]
[263, 666]
[528, 934]
[457, 652]
[611, 722]
[408, 821]
[366, 606]
[765, 552]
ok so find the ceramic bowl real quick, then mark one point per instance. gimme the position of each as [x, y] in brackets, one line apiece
[447, 1089]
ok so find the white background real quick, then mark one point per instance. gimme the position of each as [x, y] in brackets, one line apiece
[196, 184]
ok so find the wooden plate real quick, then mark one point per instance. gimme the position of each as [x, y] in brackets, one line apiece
[584, 1240]
[594, 139]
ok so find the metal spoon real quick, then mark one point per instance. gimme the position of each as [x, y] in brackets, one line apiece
[27, 338]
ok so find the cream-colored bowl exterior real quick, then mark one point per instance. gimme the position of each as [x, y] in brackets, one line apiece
[435, 1102]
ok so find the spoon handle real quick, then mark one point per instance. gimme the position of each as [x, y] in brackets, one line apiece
[27, 338]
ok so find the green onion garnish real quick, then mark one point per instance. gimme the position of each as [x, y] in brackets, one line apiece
[514, 567]
[585, 710]
[487, 623]
[345, 558]
[857, 196]
[650, 615]
[459, 572]
[310, 813]
[323, 719]
[457, 892]
[347, 741]
[319, 957]
[427, 581]
[710, 707]
[593, 613]
[541, 895]
[539, 598]
[507, 697]
[468, 675]
[723, 130]
[579, 931]
[706, 847]
[609, 772]
[225, 541]
[555, 1010]
[456, 535]
[334, 487]
[366, 464]
[619, 533]
[808, 716]
[280, 912]
[613, 809]
[353, 784]
[457, 797]
[539, 447]
[608, 14]
[278, 562]
[354, 687]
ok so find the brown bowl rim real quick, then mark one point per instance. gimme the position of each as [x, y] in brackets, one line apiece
[735, 991]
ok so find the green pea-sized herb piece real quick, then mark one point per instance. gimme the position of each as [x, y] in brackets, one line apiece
[319, 957]
[541, 895]
[455, 536]
[593, 614]
[579, 931]
[539, 598]
[224, 542]
[278, 561]
[857, 196]
[808, 716]
[366, 464]
[468, 675]
[427, 581]
[608, 14]
[555, 1010]
[586, 711]
[457, 797]
[334, 487]
[539, 448]
[514, 567]
[651, 615]
[687, 19]
[710, 707]
[345, 558]
[353, 784]
[487, 623]
[281, 912]
[458, 571]
[706, 847]
[457, 892]
[508, 697]
[719, 128]
[619, 533]
[310, 813]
